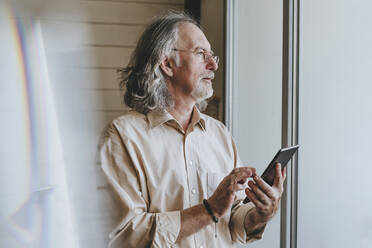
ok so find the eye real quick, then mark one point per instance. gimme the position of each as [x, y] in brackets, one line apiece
[200, 53]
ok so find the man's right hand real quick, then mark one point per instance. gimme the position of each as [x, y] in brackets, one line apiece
[223, 197]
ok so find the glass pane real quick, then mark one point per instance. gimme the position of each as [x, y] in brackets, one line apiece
[257, 90]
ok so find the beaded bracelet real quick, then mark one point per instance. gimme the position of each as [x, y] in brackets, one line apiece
[209, 210]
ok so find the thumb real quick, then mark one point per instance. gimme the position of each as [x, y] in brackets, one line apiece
[278, 179]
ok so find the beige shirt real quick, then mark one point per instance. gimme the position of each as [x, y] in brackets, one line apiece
[157, 170]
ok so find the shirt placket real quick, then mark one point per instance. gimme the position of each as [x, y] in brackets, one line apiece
[194, 194]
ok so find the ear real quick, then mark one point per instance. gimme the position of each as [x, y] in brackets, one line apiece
[166, 67]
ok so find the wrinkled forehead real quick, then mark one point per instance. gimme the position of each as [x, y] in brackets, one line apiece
[191, 37]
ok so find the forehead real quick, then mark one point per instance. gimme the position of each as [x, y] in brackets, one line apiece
[191, 37]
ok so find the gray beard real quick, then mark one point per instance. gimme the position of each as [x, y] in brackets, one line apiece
[202, 91]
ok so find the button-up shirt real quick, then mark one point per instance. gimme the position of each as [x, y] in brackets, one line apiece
[157, 169]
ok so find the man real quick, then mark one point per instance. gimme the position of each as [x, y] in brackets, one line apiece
[176, 170]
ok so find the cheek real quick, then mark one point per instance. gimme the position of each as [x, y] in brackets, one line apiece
[198, 74]
[192, 74]
[197, 80]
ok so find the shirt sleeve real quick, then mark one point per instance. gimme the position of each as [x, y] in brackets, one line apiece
[237, 229]
[138, 227]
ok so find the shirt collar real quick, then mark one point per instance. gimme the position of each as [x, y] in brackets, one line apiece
[158, 117]
[198, 118]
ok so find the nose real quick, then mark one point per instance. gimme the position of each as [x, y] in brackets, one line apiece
[212, 65]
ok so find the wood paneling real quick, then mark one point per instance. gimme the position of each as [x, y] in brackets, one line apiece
[100, 100]
[124, 13]
[115, 35]
[173, 2]
[94, 78]
[84, 44]
[113, 28]
[104, 57]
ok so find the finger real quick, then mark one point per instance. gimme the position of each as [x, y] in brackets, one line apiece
[238, 187]
[284, 173]
[278, 180]
[232, 188]
[261, 196]
[243, 181]
[240, 174]
[253, 198]
[264, 187]
[244, 170]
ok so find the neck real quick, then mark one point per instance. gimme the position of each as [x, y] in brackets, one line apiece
[182, 112]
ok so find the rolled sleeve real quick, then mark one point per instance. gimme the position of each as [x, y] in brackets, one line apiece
[237, 229]
[148, 230]
[167, 228]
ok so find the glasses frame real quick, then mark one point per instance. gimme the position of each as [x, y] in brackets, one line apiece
[206, 54]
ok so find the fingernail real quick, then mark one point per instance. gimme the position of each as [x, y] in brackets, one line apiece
[255, 177]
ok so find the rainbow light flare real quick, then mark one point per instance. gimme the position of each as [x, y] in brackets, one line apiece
[42, 217]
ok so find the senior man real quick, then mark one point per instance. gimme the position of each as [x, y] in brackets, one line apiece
[176, 171]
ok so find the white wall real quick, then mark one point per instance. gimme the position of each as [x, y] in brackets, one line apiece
[335, 168]
[257, 90]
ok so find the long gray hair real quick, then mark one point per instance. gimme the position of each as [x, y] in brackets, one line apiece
[142, 80]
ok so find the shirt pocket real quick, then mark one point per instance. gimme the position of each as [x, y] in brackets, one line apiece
[213, 180]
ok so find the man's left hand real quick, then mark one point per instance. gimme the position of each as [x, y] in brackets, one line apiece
[266, 198]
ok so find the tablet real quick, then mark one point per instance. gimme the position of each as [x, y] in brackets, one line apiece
[282, 156]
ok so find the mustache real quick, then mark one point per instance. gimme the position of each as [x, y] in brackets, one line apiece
[210, 76]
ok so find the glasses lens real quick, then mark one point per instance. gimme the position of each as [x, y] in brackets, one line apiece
[208, 56]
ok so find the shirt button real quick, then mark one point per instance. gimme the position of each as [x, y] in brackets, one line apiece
[201, 246]
[138, 211]
[193, 191]
[190, 162]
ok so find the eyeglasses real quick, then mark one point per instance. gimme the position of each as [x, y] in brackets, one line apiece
[202, 53]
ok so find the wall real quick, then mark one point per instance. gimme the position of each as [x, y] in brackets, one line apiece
[335, 198]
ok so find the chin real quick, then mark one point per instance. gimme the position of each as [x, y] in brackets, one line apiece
[203, 91]
[209, 94]
[200, 96]
[208, 90]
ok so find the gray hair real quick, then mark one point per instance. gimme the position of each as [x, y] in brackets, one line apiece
[142, 80]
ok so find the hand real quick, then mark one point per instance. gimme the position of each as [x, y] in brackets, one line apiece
[266, 198]
[223, 197]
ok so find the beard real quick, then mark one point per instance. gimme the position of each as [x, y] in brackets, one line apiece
[202, 91]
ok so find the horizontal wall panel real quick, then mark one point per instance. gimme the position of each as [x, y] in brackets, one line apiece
[103, 117]
[98, 79]
[115, 35]
[107, 57]
[62, 36]
[119, 12]
[131, 13]
[99, 100]
[90, 34]
[173, 2]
